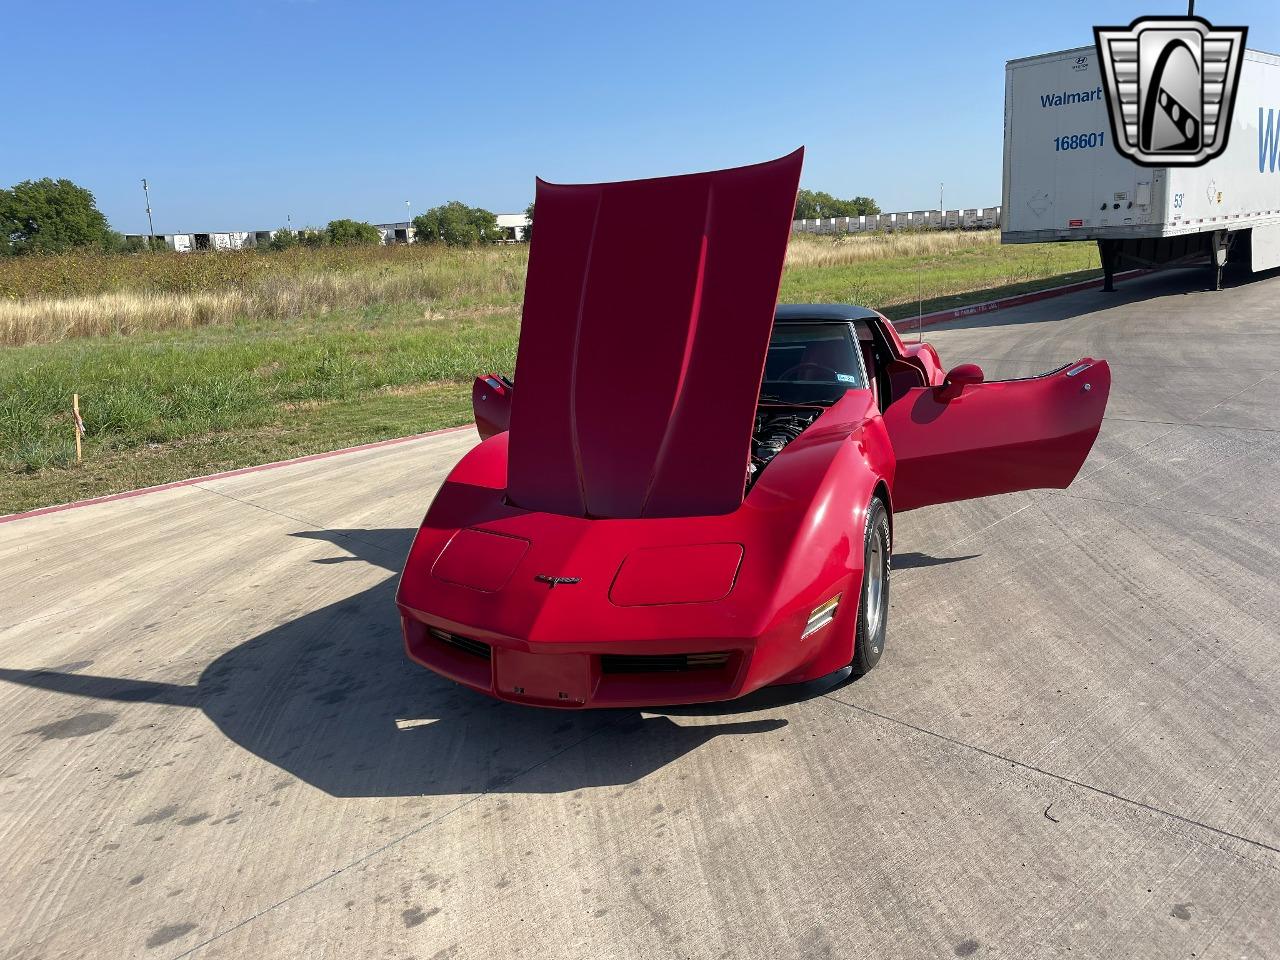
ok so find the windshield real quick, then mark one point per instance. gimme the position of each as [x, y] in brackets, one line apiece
[811, 363]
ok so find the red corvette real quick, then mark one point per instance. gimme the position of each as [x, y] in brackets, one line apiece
[692, 493]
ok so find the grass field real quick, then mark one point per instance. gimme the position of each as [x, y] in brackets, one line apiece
[189, 364]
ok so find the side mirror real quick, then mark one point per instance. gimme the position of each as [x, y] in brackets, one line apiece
[958, 378]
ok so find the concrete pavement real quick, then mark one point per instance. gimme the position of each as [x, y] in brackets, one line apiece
[211, 745]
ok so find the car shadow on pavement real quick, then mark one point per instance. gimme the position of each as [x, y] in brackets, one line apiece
[913, 560]
[330, 698]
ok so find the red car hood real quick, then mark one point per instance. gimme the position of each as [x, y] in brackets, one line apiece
[647, 312]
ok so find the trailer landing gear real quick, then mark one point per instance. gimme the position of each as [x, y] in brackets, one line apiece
[1108, 253]
[1219, 244]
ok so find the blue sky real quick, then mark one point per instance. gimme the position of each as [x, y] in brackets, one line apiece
[243, 113]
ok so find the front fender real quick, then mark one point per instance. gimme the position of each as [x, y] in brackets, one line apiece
[834, 468]
[471, 494]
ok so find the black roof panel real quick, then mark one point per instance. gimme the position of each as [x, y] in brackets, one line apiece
[822, 312]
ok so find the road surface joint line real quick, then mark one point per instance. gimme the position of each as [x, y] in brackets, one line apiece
[258, 506]
[390, 844]
[1198, 426]
[1228, 426]
[313, 524]
[1164, 423]
[1122, 458]
[1260, 844]
[1237, 394]
[1230, 460]
[993, 523]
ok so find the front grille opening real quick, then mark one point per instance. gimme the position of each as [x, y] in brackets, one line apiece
[473, 647]
[663, 663]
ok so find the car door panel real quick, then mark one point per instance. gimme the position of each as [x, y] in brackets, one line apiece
[491, 404]
[995, 437]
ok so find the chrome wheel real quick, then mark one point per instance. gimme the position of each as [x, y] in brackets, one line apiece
[873, 595]
[873, 611]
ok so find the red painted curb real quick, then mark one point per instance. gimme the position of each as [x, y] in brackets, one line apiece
[1017, 300]
[129, 494]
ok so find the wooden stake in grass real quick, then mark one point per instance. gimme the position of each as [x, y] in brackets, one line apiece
[79, 424]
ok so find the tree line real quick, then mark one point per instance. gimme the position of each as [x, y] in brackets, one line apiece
[454, 224]
[54, 216]
[815, 204]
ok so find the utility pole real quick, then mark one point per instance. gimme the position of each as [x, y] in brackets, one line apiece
[408, 211]
[147, 193]
[942, 187]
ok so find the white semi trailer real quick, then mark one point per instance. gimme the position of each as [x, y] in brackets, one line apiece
[1064, 179]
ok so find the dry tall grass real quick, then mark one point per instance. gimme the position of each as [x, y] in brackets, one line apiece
[269, 286]
[834, 250]
[48, 299]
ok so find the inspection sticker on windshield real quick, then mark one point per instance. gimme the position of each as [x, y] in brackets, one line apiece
[846, 378]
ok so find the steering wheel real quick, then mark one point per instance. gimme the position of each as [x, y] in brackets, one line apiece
[807, 365]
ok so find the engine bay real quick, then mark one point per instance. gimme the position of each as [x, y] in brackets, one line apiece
[774, 428]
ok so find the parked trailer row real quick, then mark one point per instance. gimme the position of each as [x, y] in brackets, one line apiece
[513, 226]
[976, 218]
[226, 240]
[247, 239]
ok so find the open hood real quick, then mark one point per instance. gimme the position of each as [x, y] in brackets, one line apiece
[647, 313]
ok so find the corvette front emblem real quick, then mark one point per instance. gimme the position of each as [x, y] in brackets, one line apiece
[551, 581]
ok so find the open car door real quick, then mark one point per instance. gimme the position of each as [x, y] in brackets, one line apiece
[491, 404]
[968, 438]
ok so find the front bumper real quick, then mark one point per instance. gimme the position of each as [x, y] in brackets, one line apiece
[599, 675]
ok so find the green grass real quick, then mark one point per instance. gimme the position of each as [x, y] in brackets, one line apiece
[165, 405]
[342, 424]
[904, 281]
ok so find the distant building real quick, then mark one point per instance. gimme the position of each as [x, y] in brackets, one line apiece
[402, 232]
[513, 226]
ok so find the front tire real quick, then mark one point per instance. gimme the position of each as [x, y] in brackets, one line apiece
[873, 605]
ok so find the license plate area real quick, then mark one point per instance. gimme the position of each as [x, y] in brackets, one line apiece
[557, 679]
